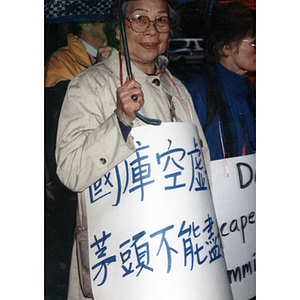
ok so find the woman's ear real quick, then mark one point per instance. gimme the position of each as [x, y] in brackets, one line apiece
[118, 34]
[86, 26]
[230, 50]
[227, 50]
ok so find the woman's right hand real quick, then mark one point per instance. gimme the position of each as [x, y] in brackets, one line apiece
[126, 106]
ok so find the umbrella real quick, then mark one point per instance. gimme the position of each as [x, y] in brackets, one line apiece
[63, 11]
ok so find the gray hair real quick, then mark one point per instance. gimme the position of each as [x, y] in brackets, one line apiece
[113, 22]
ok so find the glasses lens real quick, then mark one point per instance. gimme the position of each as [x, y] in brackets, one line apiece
[162, 24]
[141, 23]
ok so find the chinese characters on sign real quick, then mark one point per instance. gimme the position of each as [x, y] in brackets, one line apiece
[137, 249]
[138, 173]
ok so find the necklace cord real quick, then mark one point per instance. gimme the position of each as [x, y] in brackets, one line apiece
[222, 143]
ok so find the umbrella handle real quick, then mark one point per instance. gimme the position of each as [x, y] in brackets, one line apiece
[128, 66]
[148, 120]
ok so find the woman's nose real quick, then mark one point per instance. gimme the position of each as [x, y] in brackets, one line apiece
[151, 28]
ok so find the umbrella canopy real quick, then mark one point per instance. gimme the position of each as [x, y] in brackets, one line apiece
[63, 11]
[184, 1]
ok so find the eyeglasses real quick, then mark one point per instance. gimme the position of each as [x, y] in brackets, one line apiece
[140, 24]
[251, 44]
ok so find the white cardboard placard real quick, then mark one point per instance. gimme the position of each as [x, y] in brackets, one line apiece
[152, 227]
[235, 205]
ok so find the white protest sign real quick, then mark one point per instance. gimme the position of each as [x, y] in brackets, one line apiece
[152, 227]
[234, 201]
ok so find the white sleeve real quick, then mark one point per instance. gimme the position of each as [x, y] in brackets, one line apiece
[89, 140]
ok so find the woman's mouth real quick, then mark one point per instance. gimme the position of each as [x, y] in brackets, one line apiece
[149, 46]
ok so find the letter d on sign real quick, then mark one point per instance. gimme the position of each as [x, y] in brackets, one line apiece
[242, 173]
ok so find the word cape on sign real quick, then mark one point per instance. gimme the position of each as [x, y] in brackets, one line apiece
[235, 205]
[152, 227]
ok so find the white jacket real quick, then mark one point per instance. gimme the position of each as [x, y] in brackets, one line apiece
[89, 140]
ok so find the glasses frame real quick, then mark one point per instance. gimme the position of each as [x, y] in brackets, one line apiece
[251, 44]
[131, 20]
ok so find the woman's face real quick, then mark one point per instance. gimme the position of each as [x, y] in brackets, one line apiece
[145, 47]
[241, 58]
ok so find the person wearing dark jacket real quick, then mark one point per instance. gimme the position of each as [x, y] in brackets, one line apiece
[223, 96]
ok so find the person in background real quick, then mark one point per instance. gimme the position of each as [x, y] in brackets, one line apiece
[86, 46]
[223, 96]
[82, 43]
[94, 131]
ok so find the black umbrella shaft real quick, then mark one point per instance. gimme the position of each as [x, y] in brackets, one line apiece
[126, 52]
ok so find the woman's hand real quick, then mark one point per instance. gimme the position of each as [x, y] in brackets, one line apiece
[126, 105]
[104, 50]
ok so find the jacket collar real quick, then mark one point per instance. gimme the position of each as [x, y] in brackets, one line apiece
[78, 50]
[112, 62]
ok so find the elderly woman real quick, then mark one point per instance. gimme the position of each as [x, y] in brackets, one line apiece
[223, 96]
[99, 108]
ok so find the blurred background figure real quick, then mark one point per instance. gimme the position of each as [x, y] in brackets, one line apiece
[74, 40]
[86, 40]
[86, 45]
[83, 23]
[86, 23]
[223, 96]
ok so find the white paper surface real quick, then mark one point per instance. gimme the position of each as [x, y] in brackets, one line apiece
[152, 227]
[235, 206]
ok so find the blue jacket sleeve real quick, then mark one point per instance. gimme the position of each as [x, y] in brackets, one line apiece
[124, 129]
[196, 86]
